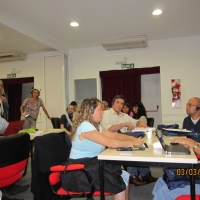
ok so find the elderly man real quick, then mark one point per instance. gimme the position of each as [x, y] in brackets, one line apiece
[192, 122]
[116, 121]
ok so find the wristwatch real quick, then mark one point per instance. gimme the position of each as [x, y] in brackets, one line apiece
[195, 146]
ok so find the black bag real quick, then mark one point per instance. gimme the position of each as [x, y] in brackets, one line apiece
[79, 181]
[163, 127]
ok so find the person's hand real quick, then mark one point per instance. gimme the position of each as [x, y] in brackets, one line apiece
[129, 126]
[3, 99]
[184, 141]
[138, 141]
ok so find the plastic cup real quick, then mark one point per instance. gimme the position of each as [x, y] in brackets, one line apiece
[149, 133]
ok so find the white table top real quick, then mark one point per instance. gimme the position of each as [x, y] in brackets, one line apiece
[149, 154]
[45, 131]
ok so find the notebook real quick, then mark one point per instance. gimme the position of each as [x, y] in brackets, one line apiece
[172, 148]
[13, 127]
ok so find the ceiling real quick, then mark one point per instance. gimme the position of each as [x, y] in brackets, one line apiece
[43, 25]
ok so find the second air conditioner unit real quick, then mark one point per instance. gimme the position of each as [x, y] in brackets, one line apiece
[12, 56]
[126, 43]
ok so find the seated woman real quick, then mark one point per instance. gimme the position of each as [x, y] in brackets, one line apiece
[161, 190]
[139, 112]
[89, 139]
[127, 109]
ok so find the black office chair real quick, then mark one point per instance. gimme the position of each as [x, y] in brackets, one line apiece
[14, 154]
[150, 122]
[55, 122]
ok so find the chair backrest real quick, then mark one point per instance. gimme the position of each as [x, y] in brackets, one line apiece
[150, 121]
[49, 150]
[14, 153]
[55, 122]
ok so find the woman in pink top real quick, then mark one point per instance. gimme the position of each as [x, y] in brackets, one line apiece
[127, 109]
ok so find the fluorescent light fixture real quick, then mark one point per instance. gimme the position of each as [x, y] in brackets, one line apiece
[74, 24]
[157, 12]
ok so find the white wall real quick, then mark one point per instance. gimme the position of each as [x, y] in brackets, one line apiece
[177, 58]
[33, 66]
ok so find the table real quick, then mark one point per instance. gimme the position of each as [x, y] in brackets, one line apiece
[148, 157]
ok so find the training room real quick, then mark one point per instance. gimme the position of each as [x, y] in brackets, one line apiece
[61, 60]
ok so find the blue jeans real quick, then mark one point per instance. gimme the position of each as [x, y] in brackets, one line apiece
[161, 191]
[138, 170]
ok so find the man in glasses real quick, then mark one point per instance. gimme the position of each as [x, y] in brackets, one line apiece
[192, 121]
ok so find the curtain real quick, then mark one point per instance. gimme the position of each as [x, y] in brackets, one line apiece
[124, 82]
[15, 97]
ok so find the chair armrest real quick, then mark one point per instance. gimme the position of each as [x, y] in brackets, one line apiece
[70, 167]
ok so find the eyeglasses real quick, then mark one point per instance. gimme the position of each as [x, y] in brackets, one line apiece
[190, 105]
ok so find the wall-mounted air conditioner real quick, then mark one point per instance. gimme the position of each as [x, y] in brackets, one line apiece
[12, 56]
[126, 43]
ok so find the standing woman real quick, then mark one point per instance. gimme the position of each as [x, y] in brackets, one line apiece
[140, 112]
[3, 102]
[89, 139]
[30, 109]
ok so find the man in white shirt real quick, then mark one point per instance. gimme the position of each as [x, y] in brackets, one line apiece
[116, 121]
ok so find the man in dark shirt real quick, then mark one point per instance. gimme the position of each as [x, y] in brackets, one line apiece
[67, 119]
[192, 121]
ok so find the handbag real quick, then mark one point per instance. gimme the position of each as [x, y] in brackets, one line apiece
[113, 181]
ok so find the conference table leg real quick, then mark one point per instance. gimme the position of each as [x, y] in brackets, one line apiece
[192, 184]
[101, 179]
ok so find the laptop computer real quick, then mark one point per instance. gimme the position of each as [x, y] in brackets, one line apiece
[13, 127]
[172, 148]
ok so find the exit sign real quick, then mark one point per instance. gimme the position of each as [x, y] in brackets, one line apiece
[11, 75]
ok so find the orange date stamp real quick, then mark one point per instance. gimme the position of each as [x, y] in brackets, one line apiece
[189, 171]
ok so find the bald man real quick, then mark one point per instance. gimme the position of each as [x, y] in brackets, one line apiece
[192, 121]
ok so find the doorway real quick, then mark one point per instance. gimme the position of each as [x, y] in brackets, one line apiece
[14, 90]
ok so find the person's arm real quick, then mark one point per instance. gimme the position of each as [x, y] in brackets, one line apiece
[100, 138]
[106, 123]
[45, 111]
[22, 109]
[141, 124]
[115, 128]
[5, 102]
[66, 131]
[188, 142]
[118, 136]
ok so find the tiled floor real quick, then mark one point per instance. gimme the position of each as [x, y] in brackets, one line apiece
[136, 193]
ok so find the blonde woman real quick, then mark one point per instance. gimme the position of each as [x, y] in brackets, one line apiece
[89, 139]
[3, 102]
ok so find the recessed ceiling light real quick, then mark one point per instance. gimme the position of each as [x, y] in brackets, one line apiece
[157, 12]
[74, 24]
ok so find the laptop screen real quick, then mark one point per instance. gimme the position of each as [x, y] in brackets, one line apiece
[159, 134]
